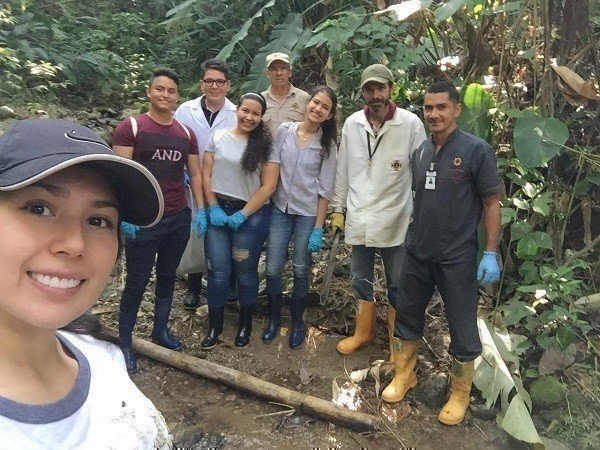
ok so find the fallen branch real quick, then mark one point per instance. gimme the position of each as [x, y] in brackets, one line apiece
[301, 402]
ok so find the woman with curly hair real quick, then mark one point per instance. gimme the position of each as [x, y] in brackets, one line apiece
[239, 175]
[307, 154]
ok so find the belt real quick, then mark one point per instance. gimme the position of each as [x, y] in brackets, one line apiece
[235, 204]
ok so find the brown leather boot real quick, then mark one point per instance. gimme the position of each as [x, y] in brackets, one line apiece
[461, 378]
[364, 331]
[391, 322]
[405, 360]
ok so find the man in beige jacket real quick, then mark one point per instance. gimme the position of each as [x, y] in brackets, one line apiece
[373, 187]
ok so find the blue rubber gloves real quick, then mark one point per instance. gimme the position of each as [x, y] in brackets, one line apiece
[315, 241]
[199, 222]
[216, 215]
[235, 220]
[488, 271]
[129, 230]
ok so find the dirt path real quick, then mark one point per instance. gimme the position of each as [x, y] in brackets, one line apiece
[203, 414]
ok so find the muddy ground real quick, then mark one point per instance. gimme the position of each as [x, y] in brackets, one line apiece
[204, 414]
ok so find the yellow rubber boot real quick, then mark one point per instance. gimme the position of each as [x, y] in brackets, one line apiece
[461, 378]
[391, 322]
[405, 360]
[364, 331]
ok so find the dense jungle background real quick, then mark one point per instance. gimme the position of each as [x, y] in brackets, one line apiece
[529, 72]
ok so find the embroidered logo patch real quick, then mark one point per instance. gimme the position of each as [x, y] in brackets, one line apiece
[295, 107]
[396, 165]
[457, 161]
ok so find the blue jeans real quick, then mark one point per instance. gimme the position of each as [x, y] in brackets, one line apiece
[362, 266]
[167, 239]
[283, 227]
[238, 250]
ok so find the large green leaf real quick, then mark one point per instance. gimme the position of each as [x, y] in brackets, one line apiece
[336, 32]
[475, 117]
[519, 229]
[495, 380]
[542, 239]
[289, 37]
[538, 139]
[240, 35]
[448, 9]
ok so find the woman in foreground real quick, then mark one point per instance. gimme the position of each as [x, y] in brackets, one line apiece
[60, 210]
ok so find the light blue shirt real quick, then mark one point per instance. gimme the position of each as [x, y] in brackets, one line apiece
[304, 174]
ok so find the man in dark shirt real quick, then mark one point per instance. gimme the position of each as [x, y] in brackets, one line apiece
[166, 147]
[455, 182]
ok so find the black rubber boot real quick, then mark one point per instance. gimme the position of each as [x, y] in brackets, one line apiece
[245, 326]
[130, 360]
[298, 333]
[191, 299]
[272, 329]
[160, 334]
[215, 326]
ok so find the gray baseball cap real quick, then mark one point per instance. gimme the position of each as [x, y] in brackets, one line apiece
[33, 149]
[376, 72]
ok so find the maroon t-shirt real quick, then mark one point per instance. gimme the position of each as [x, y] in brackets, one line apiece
[163, 150]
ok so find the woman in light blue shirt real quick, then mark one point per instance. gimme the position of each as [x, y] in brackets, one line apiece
[307, 154]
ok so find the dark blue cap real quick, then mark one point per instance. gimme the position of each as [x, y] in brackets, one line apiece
[33, 149]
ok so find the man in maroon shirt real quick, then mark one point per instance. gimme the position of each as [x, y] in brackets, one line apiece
[165, 147]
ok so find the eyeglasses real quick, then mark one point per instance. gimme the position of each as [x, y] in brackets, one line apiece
[209, 82]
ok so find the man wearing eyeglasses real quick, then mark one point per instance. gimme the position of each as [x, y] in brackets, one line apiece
[285, 103]
[206, 114]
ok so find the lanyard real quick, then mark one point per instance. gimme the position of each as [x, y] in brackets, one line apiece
[372, 152]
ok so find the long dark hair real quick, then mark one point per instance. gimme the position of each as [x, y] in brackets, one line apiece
[260, 141]
[329, 127]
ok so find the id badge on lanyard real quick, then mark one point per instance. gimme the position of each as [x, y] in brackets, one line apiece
[430, 177]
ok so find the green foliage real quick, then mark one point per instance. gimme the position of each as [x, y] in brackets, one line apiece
[78, 52]
[538, 139]
[240, 35]
[476, 116]
[540, 294]
[288, 37]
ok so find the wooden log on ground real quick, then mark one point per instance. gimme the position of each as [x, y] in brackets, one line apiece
[301, 402]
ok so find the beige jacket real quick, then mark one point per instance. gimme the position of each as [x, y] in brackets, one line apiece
[376, 193]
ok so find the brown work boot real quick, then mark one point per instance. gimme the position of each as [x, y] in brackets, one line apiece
[391, 323]
[364, 331]
[461, 378]
[405, 360]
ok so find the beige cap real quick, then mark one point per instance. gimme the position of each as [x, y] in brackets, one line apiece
[278, 57]
[376, 72]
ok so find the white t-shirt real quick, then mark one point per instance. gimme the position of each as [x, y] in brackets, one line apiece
[229, 177]
[104, 410]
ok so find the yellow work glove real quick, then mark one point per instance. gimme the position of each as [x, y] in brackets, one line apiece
[337, 221]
